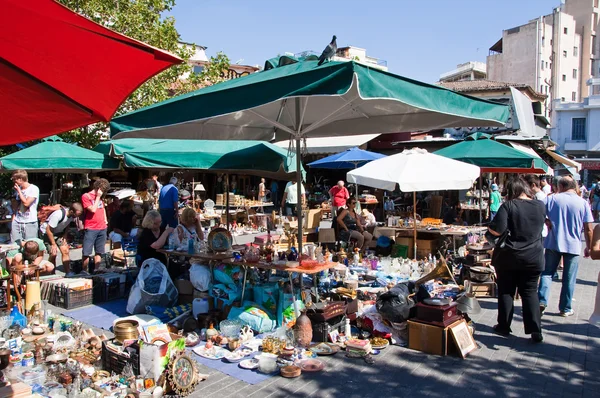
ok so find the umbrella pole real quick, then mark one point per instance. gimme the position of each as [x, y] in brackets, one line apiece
[415, 224]
[193, 195]
[227, 200]
[53, 195]
[299, 194]
[356, 186]
[480, 200]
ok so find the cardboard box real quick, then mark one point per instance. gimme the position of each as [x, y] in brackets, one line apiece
[408, 243]
[430, 339]
[184, 287]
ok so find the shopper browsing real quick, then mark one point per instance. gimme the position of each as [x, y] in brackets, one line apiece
[168, 203]
[95, 223]
[568, 215]
[55, 233]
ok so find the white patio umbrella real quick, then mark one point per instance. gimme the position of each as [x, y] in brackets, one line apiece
[415, 170]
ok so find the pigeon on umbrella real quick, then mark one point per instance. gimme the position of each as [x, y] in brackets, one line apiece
[329, 51]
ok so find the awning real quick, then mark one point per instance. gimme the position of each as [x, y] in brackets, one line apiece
[331, 144]
[530, 151]
[564, 160]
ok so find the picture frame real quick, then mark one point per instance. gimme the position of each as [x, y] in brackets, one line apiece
[334, 336]
[463, 338]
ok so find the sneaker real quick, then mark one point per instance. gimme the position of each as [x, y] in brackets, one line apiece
[542, 309]
[84, 273]
[567, 313]
[70, 274]
[537, 337]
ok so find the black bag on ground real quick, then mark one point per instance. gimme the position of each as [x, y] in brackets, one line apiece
[395, 305]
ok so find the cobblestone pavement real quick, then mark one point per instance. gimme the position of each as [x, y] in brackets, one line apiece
[567, 364]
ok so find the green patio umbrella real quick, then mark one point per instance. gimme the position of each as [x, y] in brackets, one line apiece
[305, 100]
[251, 157]
[53, 155]
[56, 156]
[493, 157]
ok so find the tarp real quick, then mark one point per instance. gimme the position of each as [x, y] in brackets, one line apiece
[562, 159]
[249, 157]
[55, 155]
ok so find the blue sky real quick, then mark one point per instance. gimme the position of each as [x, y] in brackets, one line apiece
[419, 39]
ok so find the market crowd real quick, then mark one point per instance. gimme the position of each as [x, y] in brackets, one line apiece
[535, 230]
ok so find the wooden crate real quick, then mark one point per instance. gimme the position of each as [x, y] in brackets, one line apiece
[486, 289]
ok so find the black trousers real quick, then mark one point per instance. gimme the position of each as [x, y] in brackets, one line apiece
[527, 282]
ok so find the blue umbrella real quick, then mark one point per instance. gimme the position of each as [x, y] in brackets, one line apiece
[349, 159]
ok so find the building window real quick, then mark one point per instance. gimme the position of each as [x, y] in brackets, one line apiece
[562, 99]
[542, 65]
[578, 129]
[574, 73]
[573, 96]
[543, 41]
[575, 51]
[547, 64]
[565, 54]
[565, 31]
[564, 78]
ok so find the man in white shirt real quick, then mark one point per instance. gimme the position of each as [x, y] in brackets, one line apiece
[546, 188]
[25, 221]
[290, 198]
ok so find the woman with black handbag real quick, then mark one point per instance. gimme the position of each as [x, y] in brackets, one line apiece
[519, 257]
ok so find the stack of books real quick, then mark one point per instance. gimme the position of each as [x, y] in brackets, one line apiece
[358, 348]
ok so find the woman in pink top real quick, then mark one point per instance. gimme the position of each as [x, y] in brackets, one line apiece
[338, 195]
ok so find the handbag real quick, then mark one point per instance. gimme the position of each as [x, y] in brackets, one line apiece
[499, 241]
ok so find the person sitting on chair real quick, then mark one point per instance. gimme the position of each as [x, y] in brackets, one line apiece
[350, 226]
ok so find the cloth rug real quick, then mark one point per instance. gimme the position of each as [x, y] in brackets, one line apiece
[100, 315]
[232, 369]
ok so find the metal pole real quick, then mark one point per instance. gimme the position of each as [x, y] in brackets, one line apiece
[299, 117]
[480, 199]
[227, 200]
[415, 224]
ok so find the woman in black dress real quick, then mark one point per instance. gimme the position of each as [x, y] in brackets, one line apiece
[520, 261]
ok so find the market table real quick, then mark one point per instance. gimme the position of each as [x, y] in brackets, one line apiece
[452, 231]
[290, 270]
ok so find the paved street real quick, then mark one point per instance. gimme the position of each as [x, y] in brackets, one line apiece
[567, 364]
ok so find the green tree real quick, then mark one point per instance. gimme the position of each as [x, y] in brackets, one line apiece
[144, 20]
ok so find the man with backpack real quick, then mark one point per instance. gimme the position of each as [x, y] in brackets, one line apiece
[54, 221]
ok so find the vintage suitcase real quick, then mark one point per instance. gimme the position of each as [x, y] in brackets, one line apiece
[323, 312]
[443, 316]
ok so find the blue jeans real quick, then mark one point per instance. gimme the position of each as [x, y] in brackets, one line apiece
[571, 265]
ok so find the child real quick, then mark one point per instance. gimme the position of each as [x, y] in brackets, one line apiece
[32, 251]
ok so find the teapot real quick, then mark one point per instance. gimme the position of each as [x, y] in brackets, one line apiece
[246, 334]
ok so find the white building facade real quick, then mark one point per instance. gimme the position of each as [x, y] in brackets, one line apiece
[545, 54]
[468, 71]
[576, 129]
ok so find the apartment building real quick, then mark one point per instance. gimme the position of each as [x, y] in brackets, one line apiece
[544, 53]
[468, 71]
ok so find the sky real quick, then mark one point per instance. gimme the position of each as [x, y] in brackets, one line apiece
[419, 39]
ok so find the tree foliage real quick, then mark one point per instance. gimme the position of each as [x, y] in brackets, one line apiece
[144, 20]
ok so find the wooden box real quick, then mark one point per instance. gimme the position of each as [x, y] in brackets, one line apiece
[486, 289]
[431, 339]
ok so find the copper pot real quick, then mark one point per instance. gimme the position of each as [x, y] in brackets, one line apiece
[303, 331]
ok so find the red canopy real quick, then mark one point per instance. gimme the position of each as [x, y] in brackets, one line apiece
[60, 71]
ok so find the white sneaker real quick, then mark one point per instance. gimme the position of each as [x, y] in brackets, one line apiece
[567, 313]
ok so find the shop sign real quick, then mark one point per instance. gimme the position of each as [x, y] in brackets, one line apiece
[590, 165]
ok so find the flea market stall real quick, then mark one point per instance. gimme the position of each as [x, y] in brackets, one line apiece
[269, 308]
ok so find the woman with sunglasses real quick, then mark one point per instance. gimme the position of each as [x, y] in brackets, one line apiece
[350, 226]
